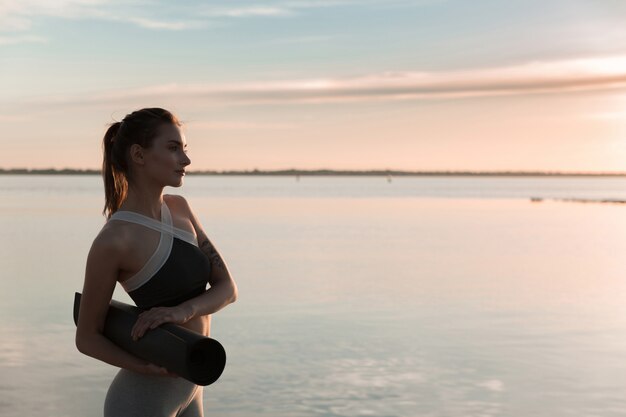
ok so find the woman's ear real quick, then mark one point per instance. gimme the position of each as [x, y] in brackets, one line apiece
[136, 153]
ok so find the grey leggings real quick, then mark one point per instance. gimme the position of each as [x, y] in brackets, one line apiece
[132, 394]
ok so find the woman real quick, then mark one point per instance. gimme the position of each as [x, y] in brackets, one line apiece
[154, 245]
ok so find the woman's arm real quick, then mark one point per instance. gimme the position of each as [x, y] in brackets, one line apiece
[100, 279]
[223, 289]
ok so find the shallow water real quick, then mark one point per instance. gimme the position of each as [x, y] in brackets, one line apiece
[420, 297]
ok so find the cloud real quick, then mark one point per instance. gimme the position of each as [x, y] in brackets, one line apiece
[17, 15]
[247, 11]
[492, 385]
[290, 8]
[9, 23]
[11, 40]
[608, 115]
[336, 3]
[159, 24]
[12, 118]
[242, 125]
[530, 78]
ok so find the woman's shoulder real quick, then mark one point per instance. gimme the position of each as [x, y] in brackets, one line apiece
[174, 199]
[112, 240]
[178, 203]
[113, 233]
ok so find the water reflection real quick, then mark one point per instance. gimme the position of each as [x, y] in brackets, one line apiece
[348, 306]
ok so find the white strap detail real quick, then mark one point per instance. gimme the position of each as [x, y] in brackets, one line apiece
[159, 226]
[162, 252]
[151, 267]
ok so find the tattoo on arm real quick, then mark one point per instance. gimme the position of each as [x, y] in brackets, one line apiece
[214, 257]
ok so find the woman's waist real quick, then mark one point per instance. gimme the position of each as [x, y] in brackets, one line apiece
[200, 324]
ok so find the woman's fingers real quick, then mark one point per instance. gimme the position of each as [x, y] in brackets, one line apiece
[153, 318]
[146, 320]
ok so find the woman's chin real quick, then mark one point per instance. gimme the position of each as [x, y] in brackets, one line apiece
[176, 183]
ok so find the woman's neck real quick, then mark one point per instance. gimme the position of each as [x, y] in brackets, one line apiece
[144, 200]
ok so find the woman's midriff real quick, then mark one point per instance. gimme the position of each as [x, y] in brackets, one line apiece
[200, 325]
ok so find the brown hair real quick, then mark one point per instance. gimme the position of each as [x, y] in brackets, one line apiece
[138, 127]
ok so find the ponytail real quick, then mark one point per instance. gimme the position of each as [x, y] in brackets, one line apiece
[115, 183]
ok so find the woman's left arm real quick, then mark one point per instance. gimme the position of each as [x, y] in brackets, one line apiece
[223, 289]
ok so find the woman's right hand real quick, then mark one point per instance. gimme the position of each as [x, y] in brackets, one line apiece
[155, 370]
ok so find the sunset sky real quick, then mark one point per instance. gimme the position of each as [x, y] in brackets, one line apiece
[337, 84]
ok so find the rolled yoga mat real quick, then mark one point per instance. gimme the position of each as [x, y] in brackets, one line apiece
[190, 355]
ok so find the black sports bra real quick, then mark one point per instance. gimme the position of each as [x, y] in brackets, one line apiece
[177, 270]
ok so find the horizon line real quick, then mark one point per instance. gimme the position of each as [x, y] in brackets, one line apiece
[331, 171]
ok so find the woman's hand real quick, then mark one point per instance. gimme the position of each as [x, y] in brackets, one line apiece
[157, 316]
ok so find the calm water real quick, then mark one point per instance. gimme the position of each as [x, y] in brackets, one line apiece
[420, 297]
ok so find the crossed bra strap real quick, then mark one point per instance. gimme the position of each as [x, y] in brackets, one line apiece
[162, 252]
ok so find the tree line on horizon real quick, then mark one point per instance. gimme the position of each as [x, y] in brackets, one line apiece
[293, 171]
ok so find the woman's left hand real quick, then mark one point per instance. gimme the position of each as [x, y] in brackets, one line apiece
[157, 316]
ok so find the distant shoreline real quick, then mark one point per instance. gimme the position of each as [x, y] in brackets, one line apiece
[330, 172]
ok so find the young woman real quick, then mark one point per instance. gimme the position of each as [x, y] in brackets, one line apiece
[154, 246]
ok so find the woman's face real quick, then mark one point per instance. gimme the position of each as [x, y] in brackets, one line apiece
[167, 158]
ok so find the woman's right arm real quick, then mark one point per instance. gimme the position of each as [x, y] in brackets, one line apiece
[103, 264]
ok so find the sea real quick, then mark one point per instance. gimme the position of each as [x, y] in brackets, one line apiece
[358, 295]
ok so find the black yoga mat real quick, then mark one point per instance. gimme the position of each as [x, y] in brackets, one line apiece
[192, 356]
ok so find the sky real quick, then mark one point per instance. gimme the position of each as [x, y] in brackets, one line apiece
[521, 85]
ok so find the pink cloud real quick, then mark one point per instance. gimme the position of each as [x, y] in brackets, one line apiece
[534, 77]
